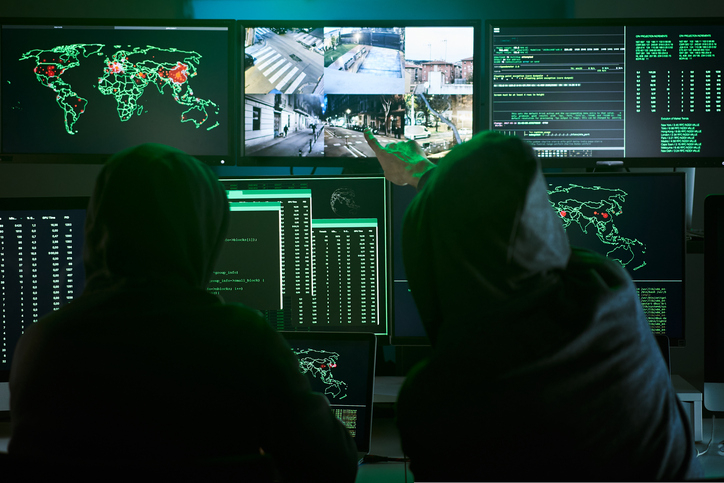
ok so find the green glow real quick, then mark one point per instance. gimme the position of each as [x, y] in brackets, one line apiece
[594, 207]
[126, 75]
[276, 194]
[129, 72]
[345, 223]
[261, 206]
[53, 63]
[319, 364]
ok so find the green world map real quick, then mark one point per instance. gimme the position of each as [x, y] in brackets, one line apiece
[319, 364]
[124, 75]
[593, 209]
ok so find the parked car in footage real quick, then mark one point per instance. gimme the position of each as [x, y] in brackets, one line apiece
[416, 132]
[249, 61]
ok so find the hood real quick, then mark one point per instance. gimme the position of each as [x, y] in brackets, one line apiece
[156, 215]
[481, 235]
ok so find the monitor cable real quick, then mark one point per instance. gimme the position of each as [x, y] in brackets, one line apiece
[720, 446]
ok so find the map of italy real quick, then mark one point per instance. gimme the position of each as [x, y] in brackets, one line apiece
[593, 210]
[319, 364]
[124, 75]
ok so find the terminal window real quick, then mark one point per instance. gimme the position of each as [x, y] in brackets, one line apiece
[609, 91]
[41, 256]
[333, 247]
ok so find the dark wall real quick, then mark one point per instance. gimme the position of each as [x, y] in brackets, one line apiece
[96, 9]
[69, 180]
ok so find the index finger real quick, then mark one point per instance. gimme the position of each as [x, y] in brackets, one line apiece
[373, 142]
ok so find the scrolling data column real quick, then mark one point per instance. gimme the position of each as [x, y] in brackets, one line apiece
[346, 290]
[296, 247]
[37, 272]
[249, 267]
[563, 92]
[676, 76]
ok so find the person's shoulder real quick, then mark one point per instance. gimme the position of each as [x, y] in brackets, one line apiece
[241, 320]
[609, 272]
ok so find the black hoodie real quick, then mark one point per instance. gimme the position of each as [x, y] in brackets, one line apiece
[543, 365]
[146, 366]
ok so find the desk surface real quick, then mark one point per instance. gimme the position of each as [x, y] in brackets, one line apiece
[712, 461]
[385, 442]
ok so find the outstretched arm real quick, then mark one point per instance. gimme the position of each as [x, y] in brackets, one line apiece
[403, 163]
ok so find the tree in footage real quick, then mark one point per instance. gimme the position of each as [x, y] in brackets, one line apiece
[438, 105]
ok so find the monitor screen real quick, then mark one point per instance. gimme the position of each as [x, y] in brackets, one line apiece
[587, 92]
[342, 367]
[310, 253]
[311, 88]
[41, 263]
[80, 90]
[406, 326]
[637, 220]
[714, 302]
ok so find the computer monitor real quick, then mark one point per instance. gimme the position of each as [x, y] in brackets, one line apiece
[342, 367]
[637, 220]
[714, 302]
[311, 253]
[41, 263]
[406, 326]
[79, 90]
[645, 92]
[311, 88]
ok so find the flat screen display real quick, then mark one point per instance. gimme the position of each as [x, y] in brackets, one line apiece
[342, 367]
[311, 89]
[41, 263]
[75, 91]
[310, 253]
[635, 219]
[587, 92]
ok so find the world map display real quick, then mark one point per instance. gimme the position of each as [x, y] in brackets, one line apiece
[319, 364]
[593, 211]
[124, 74]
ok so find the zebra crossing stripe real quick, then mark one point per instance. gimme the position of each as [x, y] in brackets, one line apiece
[274, 67]
[287, 78]
[268, 61]
[264, 53]
[296, 83]
[284, 68]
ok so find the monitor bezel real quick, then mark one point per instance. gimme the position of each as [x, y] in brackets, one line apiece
[41, 203]
[713, 373]
[371, 340]
[228, 159]
[675, 342]
[629, 162]
[384, 254]
[365, 164]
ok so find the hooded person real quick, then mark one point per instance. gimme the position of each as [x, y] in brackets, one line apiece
[148, 368]
[543, 365]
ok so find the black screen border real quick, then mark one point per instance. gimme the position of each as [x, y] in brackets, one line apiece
[371, 340]
[713, 221]
[231, 156]
[386, 264]
[674, 341]
[41, 203]
[365, 164]
[629, 162]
